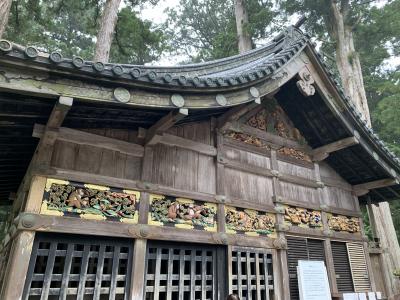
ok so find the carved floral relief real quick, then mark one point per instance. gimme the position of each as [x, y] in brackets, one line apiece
[250, 222]
[183, 213]
[248, 139]
[303, 217]
[274, 120]
[344, 223]
[67, 198]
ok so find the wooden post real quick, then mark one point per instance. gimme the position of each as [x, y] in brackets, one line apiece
[17, 267]
[282, 290]
[138, 280]
[35, 195]
[329, 266]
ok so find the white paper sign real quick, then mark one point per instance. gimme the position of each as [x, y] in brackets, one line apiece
[378, 295]
[362, 296]
[350, 296]
[371, 296]
[313, 280]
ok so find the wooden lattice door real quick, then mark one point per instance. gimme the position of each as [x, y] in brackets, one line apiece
[251, 273]
[78, 267]
[184, 272]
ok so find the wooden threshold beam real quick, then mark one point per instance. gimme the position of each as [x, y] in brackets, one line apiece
[321, 153]
[364, 188]
[157, 130]
[235, 113]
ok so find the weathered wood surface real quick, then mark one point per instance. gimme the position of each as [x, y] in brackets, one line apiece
[44, 223]
[18, 265]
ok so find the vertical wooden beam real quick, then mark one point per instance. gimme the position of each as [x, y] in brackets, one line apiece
[281, 290]
[18, 266]
[329, 265]
[369, 267]
[35, 195]
[323, 199]
[138, 280]
[144, 208]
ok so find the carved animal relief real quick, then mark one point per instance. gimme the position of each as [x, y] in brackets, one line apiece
[305, 84]
[303, 217]
[184, 213]
[89, 201]
[343, 223]
[247, 221]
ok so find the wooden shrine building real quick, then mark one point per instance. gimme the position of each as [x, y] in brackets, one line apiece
[187, 182]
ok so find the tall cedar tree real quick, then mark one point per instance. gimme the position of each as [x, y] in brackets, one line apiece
[341, 20]
[106, 31]
[242, 26]
[5, 6]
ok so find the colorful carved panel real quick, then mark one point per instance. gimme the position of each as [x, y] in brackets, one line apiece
[248, 139]
[271, 118]
[250, 222]
[297, 154]
[182, 213]
[303, 217]
[343, 223]
[68, 198]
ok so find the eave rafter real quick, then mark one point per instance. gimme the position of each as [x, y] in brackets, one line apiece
[364, 188]
[321, 153]
[154, 133]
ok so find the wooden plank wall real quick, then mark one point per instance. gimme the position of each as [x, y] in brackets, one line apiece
[244, 186]
[189, 170]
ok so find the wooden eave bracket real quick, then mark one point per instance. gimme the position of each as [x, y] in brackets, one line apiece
[364, 188]
[235, 113]
[56, 118]
[155, 132]
[321, 153]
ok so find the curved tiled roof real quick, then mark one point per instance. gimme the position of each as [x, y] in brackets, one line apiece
[236, 71]
[232, 73]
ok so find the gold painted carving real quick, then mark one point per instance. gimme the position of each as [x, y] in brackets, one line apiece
[250, 222]
[303, 217]
[182, 213]
[343, 223]
[64, 198]
[297, 154]
[248, 139]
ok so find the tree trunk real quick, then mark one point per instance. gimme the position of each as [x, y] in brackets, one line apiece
[347, 59]
[389, 243]
[106, 30]
[242, 21]
[5, 6]
[348, 63]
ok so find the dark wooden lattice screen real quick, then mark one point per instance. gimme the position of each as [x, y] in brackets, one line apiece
[301, 249]
[181, 271]
[4, 257]
[252, 277]
[341, 263]
[78, 267]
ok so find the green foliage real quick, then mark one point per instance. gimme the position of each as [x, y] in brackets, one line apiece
[206, 29]
[136, 41]
[71, 27]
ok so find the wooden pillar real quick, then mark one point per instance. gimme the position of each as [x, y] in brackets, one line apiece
[138, 269]
[323, 200]
[18, 266]
[281, 283]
